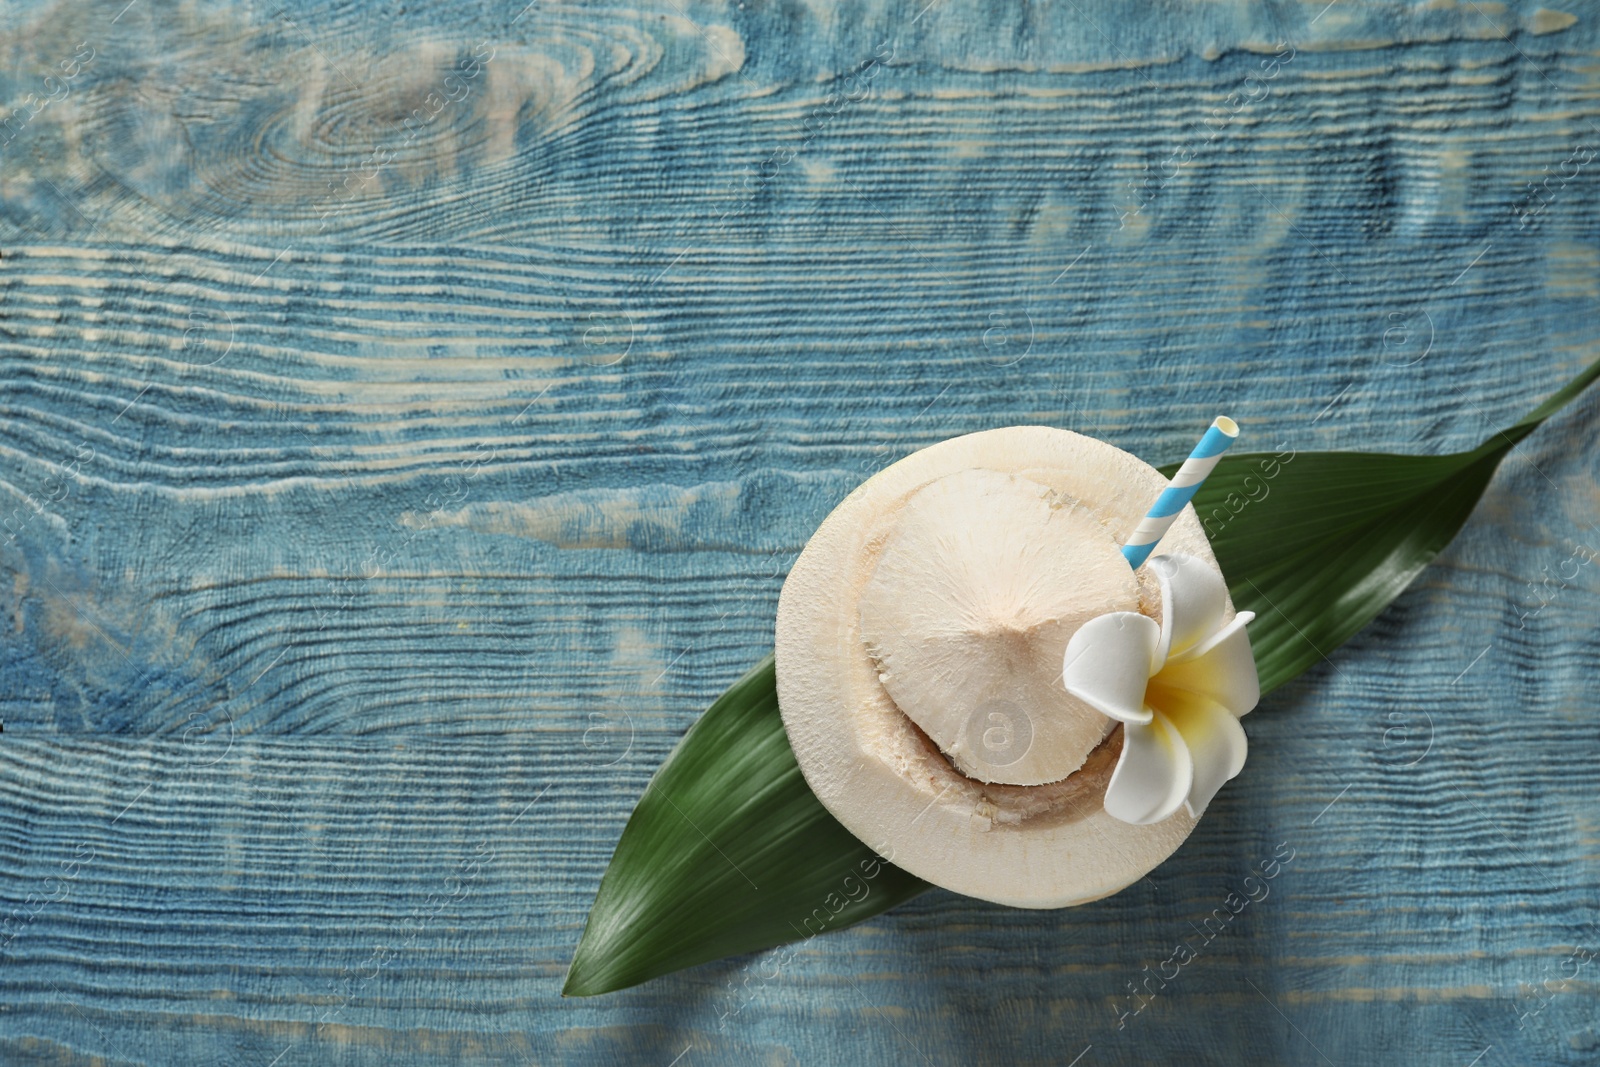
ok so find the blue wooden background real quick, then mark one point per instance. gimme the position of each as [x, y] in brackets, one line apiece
[410, 413]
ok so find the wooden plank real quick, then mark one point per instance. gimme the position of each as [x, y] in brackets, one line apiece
[387, 480]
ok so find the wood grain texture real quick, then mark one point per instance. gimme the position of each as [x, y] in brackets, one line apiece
[409, 414]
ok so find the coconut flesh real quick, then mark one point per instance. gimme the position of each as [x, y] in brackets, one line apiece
[920, 637]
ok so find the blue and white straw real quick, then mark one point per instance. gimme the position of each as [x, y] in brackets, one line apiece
[1223, 432]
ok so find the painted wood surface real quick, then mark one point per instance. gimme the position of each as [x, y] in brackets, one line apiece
[410, 413]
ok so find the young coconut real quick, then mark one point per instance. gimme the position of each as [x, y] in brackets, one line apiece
[920, 643]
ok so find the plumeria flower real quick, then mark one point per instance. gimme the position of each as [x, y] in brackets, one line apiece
[1178, 688]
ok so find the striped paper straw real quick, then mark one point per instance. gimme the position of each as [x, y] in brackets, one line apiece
[1223, 432]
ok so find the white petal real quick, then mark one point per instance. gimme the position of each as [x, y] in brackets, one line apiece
[1193, 598]
[1153, 775]
[1108, 663]
[1219, 668]
[1216, 744]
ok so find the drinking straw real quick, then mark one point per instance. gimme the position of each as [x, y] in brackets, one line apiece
[1223, 432]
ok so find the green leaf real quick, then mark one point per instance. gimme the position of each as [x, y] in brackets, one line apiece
[1317, 544]
[729, 851]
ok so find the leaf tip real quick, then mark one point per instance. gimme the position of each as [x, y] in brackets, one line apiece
[579, 982]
